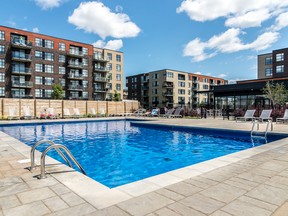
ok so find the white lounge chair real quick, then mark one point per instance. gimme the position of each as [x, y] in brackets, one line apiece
[249, 115]
[169, 113]
[285, 117]
[177, 112]
[66, 113]
[50, 113]
[92, 112]
[265, 115]
[27, 113]
[12, 113]
[101, 113]
[76, 113]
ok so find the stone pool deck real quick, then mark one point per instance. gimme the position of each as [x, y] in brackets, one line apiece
[251, 182]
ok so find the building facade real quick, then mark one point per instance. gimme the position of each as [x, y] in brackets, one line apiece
[30, 63]
[170, 88]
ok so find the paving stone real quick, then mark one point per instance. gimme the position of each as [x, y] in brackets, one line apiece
[278, 181]
[264, 172]
[72, 199]
[35, 195]
[9, 202]
[223, 192]
[241, 183]
[220, 213]
[284, 173]
[217, 175]
[253, 177]
[184, 210]
[13, 189]
[170, 194]
[10, 181]
[36, 183]
[166, 212]
[258, 203]
[282, 210]
[31, 209]
[145, 204]
[111, 211]
[78, 210]
[5, 167]
[14, 172]
[184, 188]
[59, 189]
[238, 208]
[269, 194]
[206, 181]
[275, 165]
[55, 204]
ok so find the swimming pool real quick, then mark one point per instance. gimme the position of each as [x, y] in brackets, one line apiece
[119, 152]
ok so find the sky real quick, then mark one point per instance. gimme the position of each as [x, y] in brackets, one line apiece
[219, 38]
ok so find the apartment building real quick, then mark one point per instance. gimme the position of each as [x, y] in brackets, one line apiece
[171, 88]
[30, 63]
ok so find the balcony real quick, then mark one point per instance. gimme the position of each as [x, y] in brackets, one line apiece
[21, 43]
[102, 69]
[75, 65]
[100, 79]
[144, 87]
[75, 76]
[75, 88]
[18, 84]
[168, 94]
[75, 53]
[101, 90]
[21, 96]
[195, 81]
[21, 57]
[167, 85]
[21, 71]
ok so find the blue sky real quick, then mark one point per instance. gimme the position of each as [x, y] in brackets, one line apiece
[212, 37]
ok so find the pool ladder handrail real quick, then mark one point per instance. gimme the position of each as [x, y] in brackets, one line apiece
[256, 121]
[58, 148]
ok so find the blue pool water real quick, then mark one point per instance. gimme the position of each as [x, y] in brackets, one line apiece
[117, 152]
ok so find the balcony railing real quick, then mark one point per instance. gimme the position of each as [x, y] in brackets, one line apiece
[24, 71]
[26, 84]
[100, 90]
[76, 87]
[100, 79]
[168, 94]
[75, 52]
[75, 65]
[21, 96]
[75, 76]
[102, 69]
[21, 57]
[101, 58]
[21, 43]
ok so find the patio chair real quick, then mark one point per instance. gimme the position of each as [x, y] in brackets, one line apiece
[76, 113]
[92, 112]
[27, 113]
[50, 113]
[265, 115]
[66, 113]
[249, 115]
[162, 112]
[12, 113]
[154, 113]
[139, 112]
[101, 113]
[169, 113]
[177, 112]
[284, 118]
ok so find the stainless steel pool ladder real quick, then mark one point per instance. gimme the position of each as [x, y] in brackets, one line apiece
[58, 148]
[256, 122]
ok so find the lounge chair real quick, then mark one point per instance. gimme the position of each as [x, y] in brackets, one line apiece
[101, 113]
[249, 115]
[27, 113]
[12, 113]
[92, 112]
[162, 112]
[139, 112]
[76, 113]
[154, 113]
[50, 113]
[285, 117]
[265, 115]
[169, 113]
[66, 113]
[177, 112]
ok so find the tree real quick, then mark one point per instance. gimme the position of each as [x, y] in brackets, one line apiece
[57, 91]
[116, 96]
[277, 93]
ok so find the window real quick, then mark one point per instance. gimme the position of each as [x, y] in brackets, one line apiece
[38, 92]
[38, 42]
[38, 80]
[49, 44]
[181, 100]
[49, 56]
[62, 58]
[170, 74]
[85, 83]
[47, 93]
[155, 91]
[118, 67]
[155, 76]
[109, 86]
[49, 80]
[2, 91]
[181, 91]
[118, 58]
[109, 66]
[62, 70]
[85, 73]
[2, 49]
[38, 54]
[85, 51]
[268, 71]
[38, 67]
[205, 80]
[205, 87]
[118, 87]
[181, 84]
[62, 81]
[2, 35]
[49, 69]
[2, 77]
[279, 57]
[62, 46]
[85, 95]
[268, 60]
[109, 56]
[2, 63]
[118, 77]
[85, 62]
[280, 69]
[155, 83]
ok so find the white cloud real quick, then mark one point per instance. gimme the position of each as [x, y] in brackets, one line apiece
[227, 42]
[281, 22]
[95, 17]
[35, 30]
[239, 13]
[112, 44]
[222, 75]
[47, 4]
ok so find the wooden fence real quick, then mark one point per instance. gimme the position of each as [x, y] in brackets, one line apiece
[37, 106]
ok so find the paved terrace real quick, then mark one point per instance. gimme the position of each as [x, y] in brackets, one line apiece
[251, 182]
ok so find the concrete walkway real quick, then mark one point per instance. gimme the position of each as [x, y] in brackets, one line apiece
[251, 182]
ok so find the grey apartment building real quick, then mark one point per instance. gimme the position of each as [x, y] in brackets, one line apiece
[30, 63]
